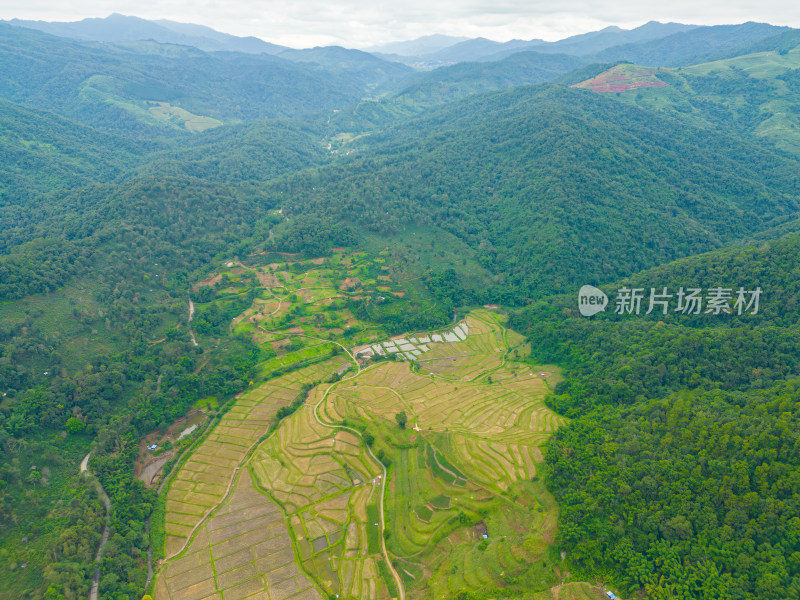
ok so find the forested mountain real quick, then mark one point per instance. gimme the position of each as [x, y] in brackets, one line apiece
[754, 94]
[554, 186]
[596, 41]
[369, 71]
[482, 49]
[43, 152]
[690, 47]
[446, 84]
[133, 89]
[679, 473]
[418, 47]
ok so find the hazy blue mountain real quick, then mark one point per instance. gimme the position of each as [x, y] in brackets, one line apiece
[697, 45]
[426, 44]
[586, 43]
[233, 43]
[122, 28]
[476, 49]
[782, 42]
[369, 70]
[595, 41]
[457, 81]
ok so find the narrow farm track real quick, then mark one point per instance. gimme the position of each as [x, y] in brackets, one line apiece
[93, 592]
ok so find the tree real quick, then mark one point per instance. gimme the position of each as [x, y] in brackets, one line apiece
[75, 425]
[402, 419]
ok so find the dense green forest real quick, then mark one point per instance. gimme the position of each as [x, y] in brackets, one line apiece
[679, 474]
[554, 186]
[121, 86]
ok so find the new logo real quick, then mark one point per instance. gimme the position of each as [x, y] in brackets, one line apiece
[591, 300]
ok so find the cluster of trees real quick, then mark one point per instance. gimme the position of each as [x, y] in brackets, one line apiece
[678, 474]
[691, 496]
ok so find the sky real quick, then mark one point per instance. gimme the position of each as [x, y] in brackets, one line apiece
[363, 23]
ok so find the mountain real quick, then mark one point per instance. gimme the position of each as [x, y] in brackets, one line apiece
[554, 187]
[475, 49]
[596, 41]
[122, 28]
[478, 49]
[446, 84]
[426, 44]
[142, 88]
[754, 94]
[43, 152]
[200, 34]
[368, 70]
[782, 43]
[690, 47]
[665, 408]
[44, 158]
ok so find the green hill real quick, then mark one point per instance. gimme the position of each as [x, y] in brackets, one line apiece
[677, 475]
[143, 87]
[458, 81]
[752, 94]
[552, 186]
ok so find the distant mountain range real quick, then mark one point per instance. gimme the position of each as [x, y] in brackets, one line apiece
[483, 49]
[122, 28]
[137, 74]
[427, 44]
[652, 43]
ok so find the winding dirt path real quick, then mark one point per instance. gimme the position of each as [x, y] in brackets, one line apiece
[93, 593]
[189, 323]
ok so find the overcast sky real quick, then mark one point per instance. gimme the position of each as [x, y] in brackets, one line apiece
[360, 23]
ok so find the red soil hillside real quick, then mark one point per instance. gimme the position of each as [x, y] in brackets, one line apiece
[623, 78]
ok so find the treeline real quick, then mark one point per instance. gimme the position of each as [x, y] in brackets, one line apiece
[678, 475]
[692, 496]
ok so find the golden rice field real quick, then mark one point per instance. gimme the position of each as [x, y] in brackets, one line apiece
[296, 515]
[242, 551]
[323, 479]
[203, 480]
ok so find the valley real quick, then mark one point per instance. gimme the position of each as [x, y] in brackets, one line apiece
[366, 507]
[302, 323]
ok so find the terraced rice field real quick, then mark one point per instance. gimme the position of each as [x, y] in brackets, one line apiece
[202, 482]
[242, 551]
[325, 481]
[476, 427]
[298, 514]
